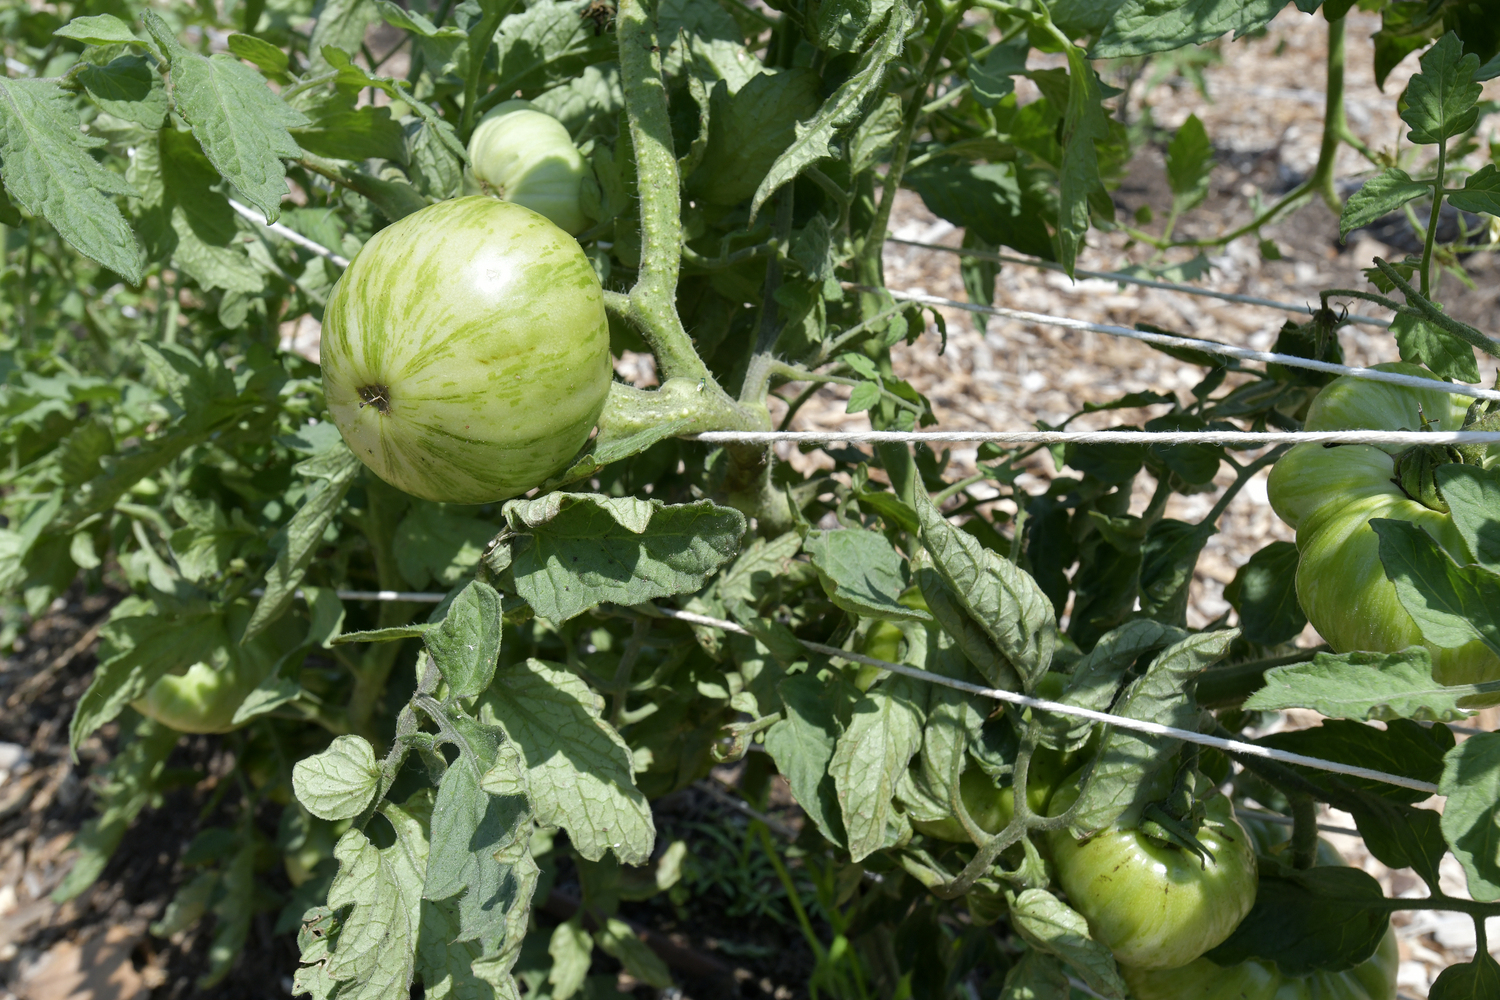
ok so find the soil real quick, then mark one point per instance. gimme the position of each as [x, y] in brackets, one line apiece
[1263, 105]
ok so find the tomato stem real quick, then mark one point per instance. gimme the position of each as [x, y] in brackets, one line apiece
[653, 307]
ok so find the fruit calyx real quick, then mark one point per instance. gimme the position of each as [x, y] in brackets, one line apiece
[375, 395]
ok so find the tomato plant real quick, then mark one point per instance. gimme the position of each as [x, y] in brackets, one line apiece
[466, 351]
[456, 576]
[525, 156]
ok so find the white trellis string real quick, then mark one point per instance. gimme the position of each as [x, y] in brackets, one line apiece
[1248, 439]
[1132, 279]
[411, 596]
[289, 234]
[1015, 698]
[1281, 820]
[1166, 340]
[1118, 721]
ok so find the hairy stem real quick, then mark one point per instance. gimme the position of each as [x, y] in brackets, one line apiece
[653, 300]
[1335, 125]
[870, 266]
[1432, 220]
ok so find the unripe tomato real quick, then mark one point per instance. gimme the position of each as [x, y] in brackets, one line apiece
[989, 807]
[1157, 906]
[1330, 496]
[524, 155]
[466, 351]
[1372, 979]
[204, 697]
[300, 864]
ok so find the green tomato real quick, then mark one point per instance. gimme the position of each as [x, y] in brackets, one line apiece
[1154, 905]
[991, 808]
[466, 351]
[204, 697]
[1372, 979]
[523, 155]
[301, 863]
[1329, 495]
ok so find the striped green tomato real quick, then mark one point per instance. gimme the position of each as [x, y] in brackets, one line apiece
[1330, 495]
[466, 351]
[522, 154]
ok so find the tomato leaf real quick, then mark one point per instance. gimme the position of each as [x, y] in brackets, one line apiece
[1322, 918]
[1453, 605]
[1468, 980]
[1169, 554]
[375, 953]
[1404, 747]
[802, 745]
[871, 756]
[1473, 497]
[1425, 343]
[1378, 197]
[1481, 191]
[1051, 926]
[617, 939]
[862, 573]
[1190, 162]
[100, 29]
[576, 551]
[842, 108]
[466, 643]
[1002, 599]
[127, 87]
[339, 782]
[1096, 678]
[1440, 100]
[1128, 769]
[998, 203]
[479, 849]
[1362, 686]
[1264, 593]
[579, 772]
[1084, 124]
[1471, 816]
[142, 642]
[240, 123]
[335, 470]
[1139, 27]
[50, 173]
[750, 130]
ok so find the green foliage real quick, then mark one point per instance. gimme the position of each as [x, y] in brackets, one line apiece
[432, 770]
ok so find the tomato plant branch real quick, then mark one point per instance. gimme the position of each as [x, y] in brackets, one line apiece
[1304, 830]
[481, 37]
[862, 328]
[1335, 124]
[632, 653]
[653, 305]
[870, 267]
[1436, 316]
[780, 369]
[1437, 207]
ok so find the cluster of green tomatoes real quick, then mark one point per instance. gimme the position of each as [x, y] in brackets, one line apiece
[466, 359]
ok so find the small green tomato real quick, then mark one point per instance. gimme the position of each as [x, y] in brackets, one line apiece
[521, 154]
